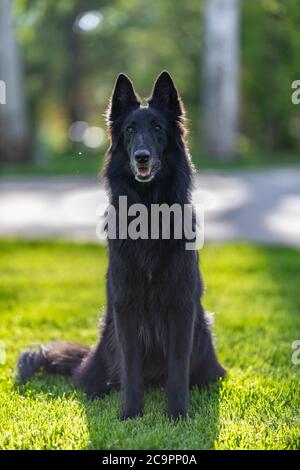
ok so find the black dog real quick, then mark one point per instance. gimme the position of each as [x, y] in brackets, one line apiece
[155, 331]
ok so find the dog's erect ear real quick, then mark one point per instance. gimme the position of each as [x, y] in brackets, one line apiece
[165, 96]
[123, 99]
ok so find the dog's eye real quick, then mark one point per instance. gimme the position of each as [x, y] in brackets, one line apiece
[157, 128]
[129, 130]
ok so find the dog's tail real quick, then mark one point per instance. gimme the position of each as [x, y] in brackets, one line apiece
[56, 358]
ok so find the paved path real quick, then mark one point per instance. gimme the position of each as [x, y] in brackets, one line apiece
[259, 206]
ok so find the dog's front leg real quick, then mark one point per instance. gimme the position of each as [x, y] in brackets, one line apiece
[181, 329]
[131, 362]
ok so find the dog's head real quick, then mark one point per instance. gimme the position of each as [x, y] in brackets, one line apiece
[144, 131]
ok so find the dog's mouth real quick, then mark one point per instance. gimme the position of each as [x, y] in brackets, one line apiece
[144, 173]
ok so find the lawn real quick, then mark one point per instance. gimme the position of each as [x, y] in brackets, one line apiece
[90, 163]
[50, 291]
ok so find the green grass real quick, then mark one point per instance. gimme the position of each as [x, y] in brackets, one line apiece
[89, 164]
[84, 164]
[50, 291]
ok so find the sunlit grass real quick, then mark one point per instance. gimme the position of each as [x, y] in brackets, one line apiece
[54, 291]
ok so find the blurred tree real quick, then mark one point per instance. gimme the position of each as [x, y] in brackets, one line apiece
[74, 70]
[271, 62]
[221, 77]
[14, 129]
[71, 70]
[71, 65]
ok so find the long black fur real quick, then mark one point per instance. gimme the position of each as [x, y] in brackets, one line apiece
[155, 331]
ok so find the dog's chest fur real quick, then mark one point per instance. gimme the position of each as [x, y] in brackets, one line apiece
[152, 328]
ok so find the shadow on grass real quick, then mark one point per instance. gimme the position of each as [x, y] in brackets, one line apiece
[152, 431]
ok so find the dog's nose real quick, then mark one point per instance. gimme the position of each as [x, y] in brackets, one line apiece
[142, 156]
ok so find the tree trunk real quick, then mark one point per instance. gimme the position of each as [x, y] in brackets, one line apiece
[221, 78]
[75, 99]
[14, 135]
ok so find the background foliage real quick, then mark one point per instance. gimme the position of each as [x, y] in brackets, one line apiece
[70, 74]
